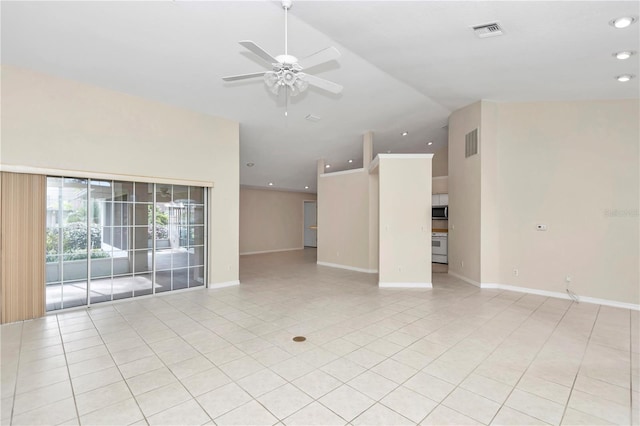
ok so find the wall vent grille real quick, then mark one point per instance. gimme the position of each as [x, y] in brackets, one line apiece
[471, 143]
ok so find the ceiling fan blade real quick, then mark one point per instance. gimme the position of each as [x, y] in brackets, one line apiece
[248, 44]
[321, 83]
[243, 76]
[325, 55]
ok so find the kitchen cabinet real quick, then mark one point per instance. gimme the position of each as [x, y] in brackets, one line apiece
[440, 199]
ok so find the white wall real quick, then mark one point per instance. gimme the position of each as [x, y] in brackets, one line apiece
[52, 123]
[271, 220]
[570, 165]
[343, 219]
[405, 220]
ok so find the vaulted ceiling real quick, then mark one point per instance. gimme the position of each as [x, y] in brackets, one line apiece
[405, 65]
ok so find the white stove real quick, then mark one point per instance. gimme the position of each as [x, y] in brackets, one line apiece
[439, 247]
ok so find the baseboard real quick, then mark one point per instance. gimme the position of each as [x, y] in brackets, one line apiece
[465, 279]
[560, 295]
[350, 268]
[224, 284]
[404, 285]
[270, 251]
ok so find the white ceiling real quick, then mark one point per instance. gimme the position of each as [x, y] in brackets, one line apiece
[404, 65]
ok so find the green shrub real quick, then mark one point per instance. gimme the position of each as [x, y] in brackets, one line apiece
[74, 238]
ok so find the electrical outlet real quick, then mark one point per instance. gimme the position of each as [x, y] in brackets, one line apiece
[516, 272]
[541, 227]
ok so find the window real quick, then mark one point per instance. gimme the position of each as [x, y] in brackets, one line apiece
[109, 240]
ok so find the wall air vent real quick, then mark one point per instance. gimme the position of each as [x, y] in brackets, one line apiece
[488, 30]
[471, 143]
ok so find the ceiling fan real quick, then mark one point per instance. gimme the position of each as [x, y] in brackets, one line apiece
[287, 69]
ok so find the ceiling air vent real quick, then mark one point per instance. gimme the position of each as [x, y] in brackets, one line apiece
[488, 30]
[312, 118]
[471, 143]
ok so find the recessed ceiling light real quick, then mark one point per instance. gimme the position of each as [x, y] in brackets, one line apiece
[429, 143]
[306, 187]
[405, 133]
[623, 21]
[350, 161]
[327, 166]
[624, 77]
[625, 54]
[270, 183]
[250, 164]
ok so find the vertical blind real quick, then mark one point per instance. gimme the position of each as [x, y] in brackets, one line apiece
[22, 245]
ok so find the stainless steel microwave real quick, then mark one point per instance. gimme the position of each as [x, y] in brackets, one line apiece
[441, 212]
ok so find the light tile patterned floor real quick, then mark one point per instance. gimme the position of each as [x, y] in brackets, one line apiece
[451, 355]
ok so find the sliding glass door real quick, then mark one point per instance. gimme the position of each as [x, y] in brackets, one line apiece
[109, 240]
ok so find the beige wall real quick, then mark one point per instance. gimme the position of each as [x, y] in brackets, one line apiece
[569, 165]
[343, 219]
[440, 165]
[405, 219]
[464, 196]
[490, 194]
[271, 220]
[54, 123]
[572, 166]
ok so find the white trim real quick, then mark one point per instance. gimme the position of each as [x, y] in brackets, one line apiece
[465, 279]
[560, 295]
[374, 164]
[404, 285]
[343, 172]
[350, 268]
[405, 155]
[270, 251]
[214, 286]
[13, 168]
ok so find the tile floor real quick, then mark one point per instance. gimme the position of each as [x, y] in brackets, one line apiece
[451, 355]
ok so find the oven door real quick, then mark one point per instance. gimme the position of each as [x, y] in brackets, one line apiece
[439, 249]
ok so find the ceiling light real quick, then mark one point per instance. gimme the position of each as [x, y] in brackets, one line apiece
[429, 143]
[624, 77]
[405, 133]
[250, 164]
[625, 54]
[270, 183]
[350, 161]
[327, 166]
[306, 187]
[623, 22]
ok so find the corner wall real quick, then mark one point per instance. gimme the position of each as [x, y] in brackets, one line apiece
[271, 220]
[464, 196]
[52, 123]
[572, 166]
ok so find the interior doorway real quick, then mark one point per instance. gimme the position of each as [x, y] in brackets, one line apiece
[310, 224]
